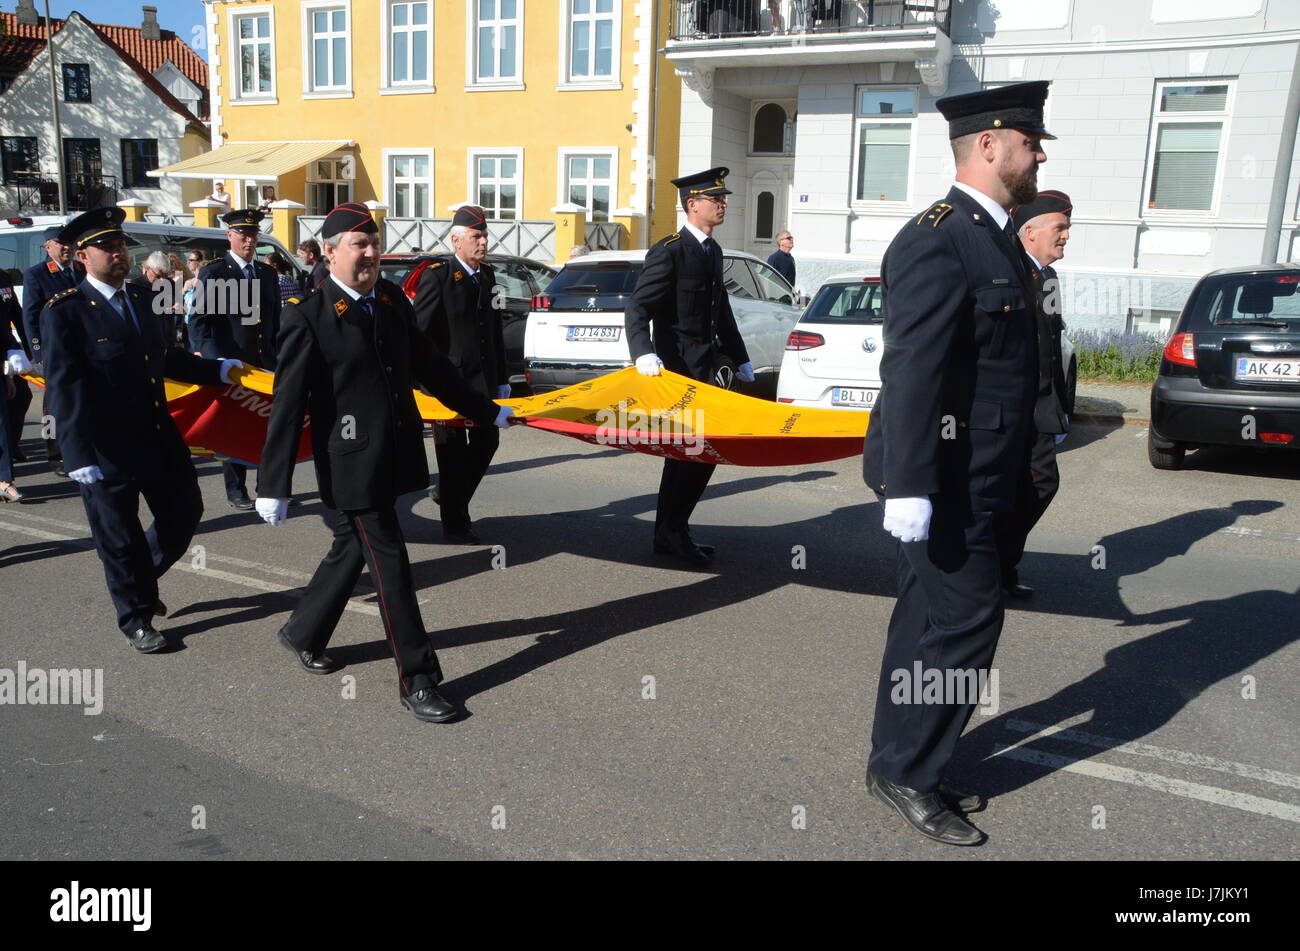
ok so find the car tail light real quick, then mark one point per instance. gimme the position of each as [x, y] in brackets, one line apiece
[528, 376]
[541, 302]
[1179, 350]
[20, 222]
[1283, 279]
[785, 399]
[803, 340]
[1280, 438]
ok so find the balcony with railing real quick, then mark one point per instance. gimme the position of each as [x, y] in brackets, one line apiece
[708, 34]
[40, 194]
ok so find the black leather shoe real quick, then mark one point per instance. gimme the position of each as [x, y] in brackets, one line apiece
[962, 802]
[1021, 591]
[467, 537]
[683, 549]
[925, 812]
[146, 640]
[20, 456]
[434, 495]
[159, 609]
[59, 471]
[312, 663]
[430, 706]
[241, 502]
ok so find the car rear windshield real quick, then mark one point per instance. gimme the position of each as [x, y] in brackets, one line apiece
[1255, 301]
[858, 303]
[594, 286]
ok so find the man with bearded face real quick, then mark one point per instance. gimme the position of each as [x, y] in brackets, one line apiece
[948, 442]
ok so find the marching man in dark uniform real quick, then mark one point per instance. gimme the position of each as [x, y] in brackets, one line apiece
[1044, 227]
[349, 355]
[949, 439]
[680, 291]
[238, 315]
[40, 283]
[454, 309]
[105, 361]
[18, 356]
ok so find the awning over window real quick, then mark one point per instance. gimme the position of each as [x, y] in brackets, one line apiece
[252, 161]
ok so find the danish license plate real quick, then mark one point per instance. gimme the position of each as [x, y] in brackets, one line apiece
[1268, 371]
[848, 396]
[612, 334]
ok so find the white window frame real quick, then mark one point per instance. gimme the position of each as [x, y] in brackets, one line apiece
[472, 82]
[390, 179]
[614, 80]
[516, 154]
[791, 107]
[237, 97]
[890, 206]
[562, 174]
[310, 177]
[1175, 118]
[309, 90]
[387, 87]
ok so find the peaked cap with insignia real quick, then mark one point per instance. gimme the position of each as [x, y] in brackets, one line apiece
[704, 184]
[244, 220]
[1018, 106]
[97, 226]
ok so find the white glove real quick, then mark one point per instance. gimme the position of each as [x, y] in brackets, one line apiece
[273, 511]
[503, 391]
[745, 372]
[227, 366]
[503, 418]
[648, 364]
[908, 520]
[18, 362]
[86, 475]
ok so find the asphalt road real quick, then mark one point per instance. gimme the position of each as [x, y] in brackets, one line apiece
[1146, 709]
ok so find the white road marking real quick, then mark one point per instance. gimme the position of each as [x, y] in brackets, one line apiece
[1260, 533]
[1244, 770]
[1176, 787]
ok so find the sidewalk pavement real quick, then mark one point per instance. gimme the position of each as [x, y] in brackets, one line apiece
[1110, 402]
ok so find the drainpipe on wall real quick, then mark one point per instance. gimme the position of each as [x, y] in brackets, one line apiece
[1282, 170]
[54, 101]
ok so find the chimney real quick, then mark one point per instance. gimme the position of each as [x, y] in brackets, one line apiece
[27, 15]
[149, 29]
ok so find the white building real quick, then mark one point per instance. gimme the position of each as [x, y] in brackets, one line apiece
[117, 119]
[1168, 114]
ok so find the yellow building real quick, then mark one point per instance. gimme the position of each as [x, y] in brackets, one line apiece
[519, 105]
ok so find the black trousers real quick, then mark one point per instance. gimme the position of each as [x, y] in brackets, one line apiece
[7, 441]
[236, 478]
[52, 451]
[948, 617]
[371, 539]
[134, 559]
[681, 487]
[463, 459]
[1035, 493]
[18, 410]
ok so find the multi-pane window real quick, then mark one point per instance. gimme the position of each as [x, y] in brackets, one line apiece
[591, 39]
[327, 185]
[139, 156]
[410, 185]
[76, 82]
[1188, 140]
[256, 67]
[883, 135]
[589, 182]
[409, 46]
[329, 48]
[496, 40]
[497, 185]
[19, 157]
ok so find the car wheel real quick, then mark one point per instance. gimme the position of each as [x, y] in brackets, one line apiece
[1161, 458]
[1071, 387]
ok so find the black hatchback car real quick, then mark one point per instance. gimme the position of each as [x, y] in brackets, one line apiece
[1230, 375]
[522, 279]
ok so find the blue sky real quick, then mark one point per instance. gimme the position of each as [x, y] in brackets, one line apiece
[182, 16]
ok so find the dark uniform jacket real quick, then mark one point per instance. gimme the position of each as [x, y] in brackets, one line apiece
[105, 385]
[11, 315]
[1049, 410]
[319, 272]
[960, 361]
[218, 330]
[458, 317]
[681, 291]
[354, 376]
[40, 283]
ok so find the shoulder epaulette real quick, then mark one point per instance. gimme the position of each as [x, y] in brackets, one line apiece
[66, 292]
[669, 239]
[294, 300]
[934, 214]
[434, 264]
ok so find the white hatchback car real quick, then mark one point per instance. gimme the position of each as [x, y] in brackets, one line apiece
[575, 329]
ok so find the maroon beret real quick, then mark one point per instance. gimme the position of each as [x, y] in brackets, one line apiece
[348, 216]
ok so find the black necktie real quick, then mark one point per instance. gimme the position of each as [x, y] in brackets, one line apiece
[124, 309]
[249, 272]
[368, 305]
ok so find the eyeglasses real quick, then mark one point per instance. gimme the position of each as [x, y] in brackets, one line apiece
[716, 200]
